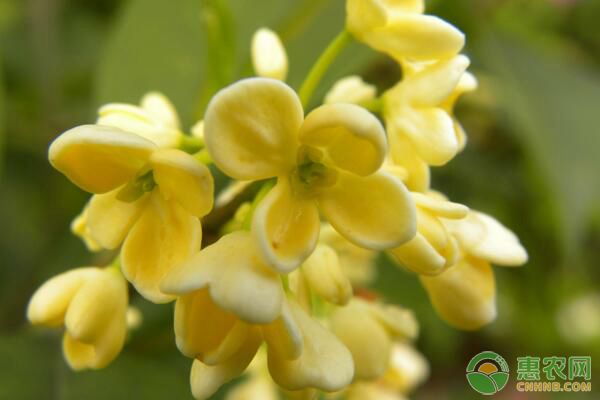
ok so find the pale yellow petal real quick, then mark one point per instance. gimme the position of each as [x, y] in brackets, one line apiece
[79, 355]
[161, 109]
[465, 294]
[351, 89]
[110, 219]
[99, 159]
[417, 37]
[286, 227]
[408, 368]
[97, 302]
[202, 327]
[253, 388]
[79, 227]
[238, 279]
[442, 208]
[325, 363]
[251, 128]
[418, 255]
[499, 245]
[375, 212]
[268, 55]
[353, 139]
[431, 131]
[403, 154]
[206, 380]
[366, 338]
[283, 335]
[434, 84]
[399, 322]
[325, 276]
[181, 177]
[50, 302]
[164, 236]
[362, 16]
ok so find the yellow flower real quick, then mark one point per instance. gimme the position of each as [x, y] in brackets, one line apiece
[465, 294]
[368, 330]
[154, 119]
[80, 227]
[228, 288]
[400, 29]
[268, 55]
[329, 162]
[433, 249]
[351, 89]
[91, 303]
[417, 117]
[147, 198]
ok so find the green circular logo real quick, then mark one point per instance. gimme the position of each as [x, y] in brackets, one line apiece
[487, 373]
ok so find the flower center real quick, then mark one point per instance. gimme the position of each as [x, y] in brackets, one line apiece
[311, 174]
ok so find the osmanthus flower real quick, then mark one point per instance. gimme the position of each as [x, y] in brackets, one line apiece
[228, 287]
[434, 248]
[369, 330]
[329, 162]
[351, 89]
[465, 294]
[91, 303]
[400, 29]
[154, 119]
[407, 370]
[146, 198]
[269, 57]
[415, 110]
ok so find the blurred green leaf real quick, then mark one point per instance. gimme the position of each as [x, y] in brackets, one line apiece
[2, 113]
[155, 45]
[552, 102]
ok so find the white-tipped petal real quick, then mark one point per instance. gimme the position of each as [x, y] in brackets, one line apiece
[268, 55]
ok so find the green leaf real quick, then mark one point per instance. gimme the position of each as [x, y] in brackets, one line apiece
[155, 45]
[551, 100]
[2, 113]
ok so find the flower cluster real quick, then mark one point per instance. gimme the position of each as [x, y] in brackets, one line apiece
[282, 283]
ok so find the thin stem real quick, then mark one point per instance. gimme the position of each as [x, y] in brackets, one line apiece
[323, 63]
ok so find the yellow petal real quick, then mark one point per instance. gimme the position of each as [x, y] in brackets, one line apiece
[434, 84]
[431, 131]
[417, 37]
[351, 89]
[195, 312]
[253, 388]
[156, 119]
[99, 159]
[283, 335]
[375, 212]
[97, 302]
[364, 16]
[372, 391]
[206, 380]
[79, 227]
[465, 294]
[161, 108]
[286, 227]
[357, 263]
[268, 55]
[352, 137]
[442, 208]
[399, 322]
[365, 337]
[325, 276]
[403, 154]
[110, 219]
[483, 236]
[325, 363]
[251, 128]
[164, 236]
[181, 177]
[418, 255]
[49, 303]
[238, 279]
[408, 368]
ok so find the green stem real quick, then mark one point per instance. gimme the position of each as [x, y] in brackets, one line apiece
[323, 63]
[203, 156]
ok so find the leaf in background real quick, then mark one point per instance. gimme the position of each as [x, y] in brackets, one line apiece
[2, 113]
[553, 102]
[155, 45]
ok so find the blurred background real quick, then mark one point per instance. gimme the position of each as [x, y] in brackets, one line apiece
[532, 161]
